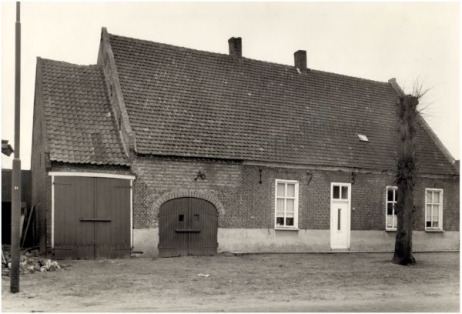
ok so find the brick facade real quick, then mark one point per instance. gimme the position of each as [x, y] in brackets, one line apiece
[247, 203]
[156, 177]
[241, 200]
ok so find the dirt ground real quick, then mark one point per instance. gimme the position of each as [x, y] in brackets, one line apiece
[249, 283]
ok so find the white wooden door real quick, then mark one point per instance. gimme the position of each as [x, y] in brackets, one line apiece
[340, 210]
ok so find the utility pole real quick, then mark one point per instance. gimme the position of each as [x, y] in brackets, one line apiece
[16, 188]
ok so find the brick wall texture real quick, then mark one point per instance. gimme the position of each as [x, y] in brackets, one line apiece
[241, 200]
[249, 204]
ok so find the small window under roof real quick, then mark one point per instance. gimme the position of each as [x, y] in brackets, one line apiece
[363, 138]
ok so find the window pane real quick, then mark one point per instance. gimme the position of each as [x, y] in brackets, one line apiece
[435, 216]
[436, 197]
[428, 212]
[336, 192]
[290, 206]
[339, 219]
[280, 221]
[291, 190]
[281, 189]
[344, 192]
[395, 221]
[280, 207]
[390, 195]
[429, 196]
[289, 221]
[389, 221]
[389, 209]
[396, 195]
[428, 223]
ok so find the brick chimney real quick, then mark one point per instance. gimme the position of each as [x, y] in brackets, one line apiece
[300, 60]
[235, 46]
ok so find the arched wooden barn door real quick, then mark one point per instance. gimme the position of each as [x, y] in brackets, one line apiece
[187, 226]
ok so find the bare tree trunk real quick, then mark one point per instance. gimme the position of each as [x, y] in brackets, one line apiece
[405, 180]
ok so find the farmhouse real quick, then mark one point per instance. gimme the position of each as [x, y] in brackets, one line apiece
[169, 151]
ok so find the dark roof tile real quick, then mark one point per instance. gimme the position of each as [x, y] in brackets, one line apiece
[80, 126]
[191, 103]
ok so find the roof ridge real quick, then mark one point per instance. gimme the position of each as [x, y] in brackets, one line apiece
[248, 59]
[69, 63]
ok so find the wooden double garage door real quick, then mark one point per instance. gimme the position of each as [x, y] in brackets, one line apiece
[187, 226]
[91, 218]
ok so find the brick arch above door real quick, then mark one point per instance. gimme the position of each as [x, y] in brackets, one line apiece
[188, 193]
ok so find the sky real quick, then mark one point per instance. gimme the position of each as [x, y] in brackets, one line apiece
[412, 42]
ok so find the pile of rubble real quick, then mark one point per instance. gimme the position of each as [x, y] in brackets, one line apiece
[30, 263]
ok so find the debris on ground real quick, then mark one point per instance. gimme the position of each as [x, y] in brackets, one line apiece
[136, 254]
[228, 254]
[203, 275]
[31, 262]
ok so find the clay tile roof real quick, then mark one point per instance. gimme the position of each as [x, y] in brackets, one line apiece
[185, 102]
[79, 125]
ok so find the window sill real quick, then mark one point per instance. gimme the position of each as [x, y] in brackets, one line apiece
[434, 231]
[286, 229]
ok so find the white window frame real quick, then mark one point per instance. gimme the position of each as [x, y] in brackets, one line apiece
[295, 226]
[340, 193]
[440, 216]
[395, 189]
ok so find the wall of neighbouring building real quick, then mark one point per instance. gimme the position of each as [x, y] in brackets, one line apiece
[26, 186]
[26, 199]
[246, 207]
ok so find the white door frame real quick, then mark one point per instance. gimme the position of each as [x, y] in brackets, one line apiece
[348, 215]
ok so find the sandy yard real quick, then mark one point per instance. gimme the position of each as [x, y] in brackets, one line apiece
[247, 283]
